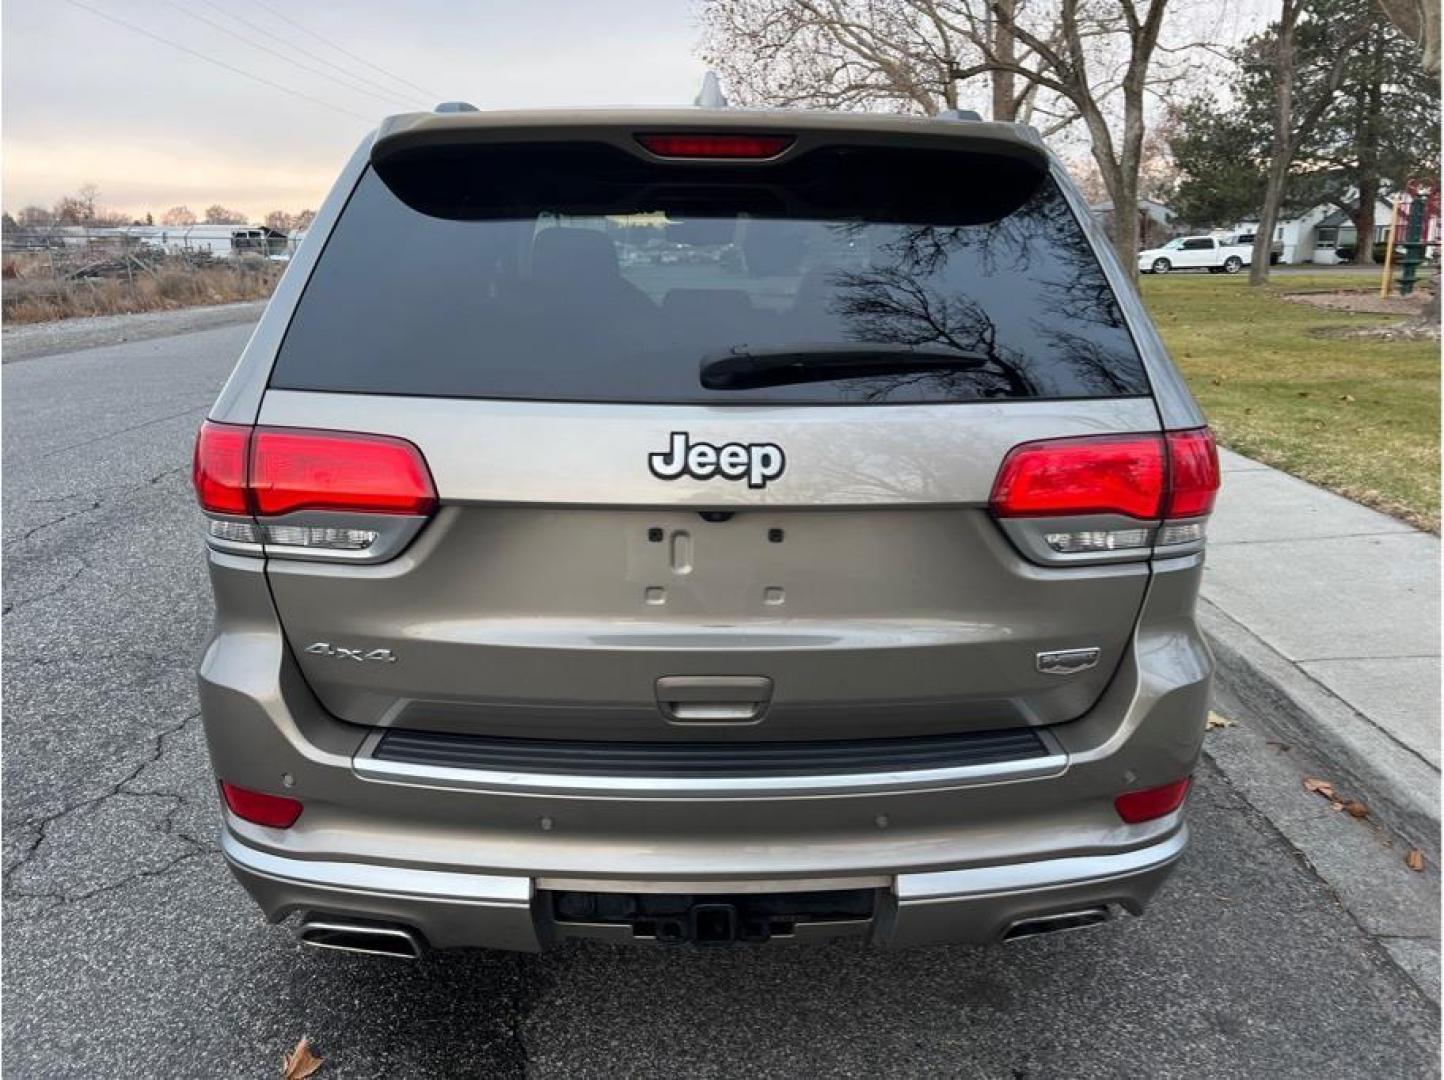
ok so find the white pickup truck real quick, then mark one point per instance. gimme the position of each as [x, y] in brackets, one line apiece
[1216, 254]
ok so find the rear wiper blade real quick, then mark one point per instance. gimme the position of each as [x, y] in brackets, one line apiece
[751, 367]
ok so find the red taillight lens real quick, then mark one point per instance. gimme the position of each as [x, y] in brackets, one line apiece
[1104, 474]
[330, 470]
[1193, 473]
[1151, 803]
[219, 468]
[273, 811]
[716, 146]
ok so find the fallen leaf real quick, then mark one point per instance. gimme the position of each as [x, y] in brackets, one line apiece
[1279, 747]
[1319, 787]
[1216, 721]
[300, 1063]
[1414, 860]
[1355, 808]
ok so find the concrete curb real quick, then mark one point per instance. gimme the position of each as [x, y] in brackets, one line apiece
[1399, 786]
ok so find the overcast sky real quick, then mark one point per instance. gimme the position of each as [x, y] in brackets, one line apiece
[87, 100]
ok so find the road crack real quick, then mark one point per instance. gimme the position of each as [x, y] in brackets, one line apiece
[41, 827]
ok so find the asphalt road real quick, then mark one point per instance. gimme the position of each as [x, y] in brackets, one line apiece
[129, 951]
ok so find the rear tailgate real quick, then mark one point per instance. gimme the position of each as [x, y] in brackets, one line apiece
[867, 585]
[622, 552]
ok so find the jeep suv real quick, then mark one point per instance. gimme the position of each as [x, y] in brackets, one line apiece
[702, 526]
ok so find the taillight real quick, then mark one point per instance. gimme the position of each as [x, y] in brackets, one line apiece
[1145, 476]
[327, 494]
[1096, 474]
[1193, 473]
[219, 468]
[273, 811]
[328, 470]
[1150, 804]
[735, 147]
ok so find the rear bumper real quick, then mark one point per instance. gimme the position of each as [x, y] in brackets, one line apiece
[975, 905]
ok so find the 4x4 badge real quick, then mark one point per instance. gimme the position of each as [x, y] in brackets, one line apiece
[340, 652]
[758, 463]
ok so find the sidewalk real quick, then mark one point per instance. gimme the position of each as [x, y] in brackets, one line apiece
[1327, 613]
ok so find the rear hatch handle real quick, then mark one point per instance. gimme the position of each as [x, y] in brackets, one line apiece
[713, 699]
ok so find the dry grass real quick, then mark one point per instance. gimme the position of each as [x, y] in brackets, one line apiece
[33, 294]
[1358, 415]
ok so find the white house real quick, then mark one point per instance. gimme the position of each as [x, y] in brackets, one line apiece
[1318, 234]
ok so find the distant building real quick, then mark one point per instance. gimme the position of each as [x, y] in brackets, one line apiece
[1325, 235]
[216, 240]
[1155, 220]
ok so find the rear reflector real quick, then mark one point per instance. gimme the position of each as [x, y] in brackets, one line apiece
[1151, 803]
[273, 811]
[1103, 474]
[736, 147]
[1193, 473]
[219, 468]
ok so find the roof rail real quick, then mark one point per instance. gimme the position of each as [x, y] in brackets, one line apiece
[455, 107]
[710, 96]
[960, 114]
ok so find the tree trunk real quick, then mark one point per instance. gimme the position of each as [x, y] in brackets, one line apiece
[1122, 188]
[1005, 104]
[1278, 170]
[1258, 271]
[1363, 219]
[1371, 127]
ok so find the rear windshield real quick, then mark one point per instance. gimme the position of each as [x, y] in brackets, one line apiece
[579, 272]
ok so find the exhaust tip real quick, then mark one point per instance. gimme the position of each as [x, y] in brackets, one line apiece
[1057, 923]
[358, 936]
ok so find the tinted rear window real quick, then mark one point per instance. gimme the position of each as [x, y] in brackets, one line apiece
[578, 272]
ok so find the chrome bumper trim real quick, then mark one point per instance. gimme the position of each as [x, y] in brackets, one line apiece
[1054, 763]
[1042, 874]
[371, 878]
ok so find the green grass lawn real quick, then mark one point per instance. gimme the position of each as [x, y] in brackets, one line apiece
[1357, 415]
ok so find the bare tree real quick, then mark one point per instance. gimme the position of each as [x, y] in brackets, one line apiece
[1070, 59]
[1050, 63]
[178, 215]
[216, 214]
[1290, 130]
[279, 220]
[838, 54]
[302, 219]
[86, 197]
[34, 217]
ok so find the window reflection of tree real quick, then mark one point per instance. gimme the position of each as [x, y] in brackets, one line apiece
[889, 304]
[905, 298]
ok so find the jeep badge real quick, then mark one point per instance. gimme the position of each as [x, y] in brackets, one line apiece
[757, 462]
